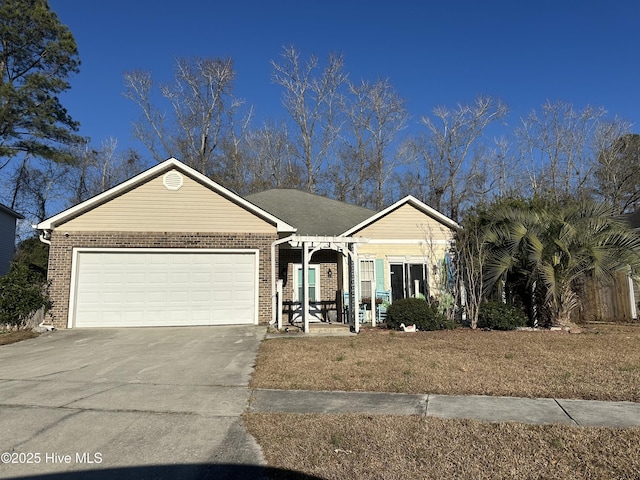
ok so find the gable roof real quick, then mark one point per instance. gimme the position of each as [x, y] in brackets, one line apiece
[9, 211]
[310, 214]
[149, 174]
[410, 200]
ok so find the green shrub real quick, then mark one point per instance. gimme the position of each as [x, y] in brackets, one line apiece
[419, 312]
[34, 254]
[22, 292]
[500, 316]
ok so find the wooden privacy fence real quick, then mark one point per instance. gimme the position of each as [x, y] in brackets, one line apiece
[610, 301]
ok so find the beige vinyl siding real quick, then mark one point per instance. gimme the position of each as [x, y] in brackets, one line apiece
[406, 235]
[151, 207]
[406, 223]
[380, 250]
[430, 255]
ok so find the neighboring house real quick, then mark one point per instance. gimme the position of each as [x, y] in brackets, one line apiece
[8, 219]
[172, 247]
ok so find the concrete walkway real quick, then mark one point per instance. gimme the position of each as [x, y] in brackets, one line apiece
[582, 413]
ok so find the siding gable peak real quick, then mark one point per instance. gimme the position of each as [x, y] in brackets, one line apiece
[174, 184]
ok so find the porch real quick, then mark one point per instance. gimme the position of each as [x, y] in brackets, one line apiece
[316, 274]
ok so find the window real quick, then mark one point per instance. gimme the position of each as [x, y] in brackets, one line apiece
[404, 277]
[367, 279]
[313, 278]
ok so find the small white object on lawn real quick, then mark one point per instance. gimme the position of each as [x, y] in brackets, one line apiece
[411, 328]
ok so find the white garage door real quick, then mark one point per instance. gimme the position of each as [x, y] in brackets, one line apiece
[159, 288]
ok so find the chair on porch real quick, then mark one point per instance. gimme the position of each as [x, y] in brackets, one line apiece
[381, 307]
[362, 312]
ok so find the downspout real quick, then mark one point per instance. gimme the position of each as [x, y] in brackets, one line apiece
[273, 280]
[45, 236]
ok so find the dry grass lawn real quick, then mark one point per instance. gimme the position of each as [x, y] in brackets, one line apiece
[391, 447]
[602, 363]
[7, 337]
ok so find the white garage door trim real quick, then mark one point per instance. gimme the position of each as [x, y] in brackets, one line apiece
[78, 251]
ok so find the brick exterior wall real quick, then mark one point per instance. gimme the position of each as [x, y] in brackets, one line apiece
[61, 253]
[326, 259]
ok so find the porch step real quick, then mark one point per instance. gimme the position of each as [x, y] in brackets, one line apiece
[329, 329]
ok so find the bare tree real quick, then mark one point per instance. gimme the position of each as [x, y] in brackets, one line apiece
[557, 146]
[444, 151]
[200, 99]
[471, 257]
[233, 168]
[271, 160]
[617, 172]
[310, 98]
[350, 177]
[375, 116]
[98, 169]
[503, 169]
[37, 187]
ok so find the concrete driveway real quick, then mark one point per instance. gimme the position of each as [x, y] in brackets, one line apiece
[131, 403]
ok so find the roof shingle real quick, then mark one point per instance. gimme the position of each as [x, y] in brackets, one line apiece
[310, 214]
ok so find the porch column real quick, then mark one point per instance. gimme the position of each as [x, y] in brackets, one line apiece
[353, 291]
[279, 289]
[305, 287]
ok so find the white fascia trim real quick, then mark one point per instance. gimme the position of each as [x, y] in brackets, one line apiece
[380, 241]
[78, 250]
[93, 202]
[413, 201]
[163, 250]
[407, 259]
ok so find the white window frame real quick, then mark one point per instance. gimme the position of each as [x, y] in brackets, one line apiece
[406, 261]
[372, 280]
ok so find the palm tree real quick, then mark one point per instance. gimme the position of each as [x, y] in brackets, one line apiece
[555, 246]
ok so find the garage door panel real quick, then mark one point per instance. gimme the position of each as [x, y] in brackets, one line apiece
[243, 278]
[242, 296]
[109, 277]
[109, 297]
[201, 277]
[201, 296]
[157, 297]
[131, 288]
[158, 279]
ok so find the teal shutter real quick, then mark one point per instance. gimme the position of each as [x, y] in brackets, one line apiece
[379, 274]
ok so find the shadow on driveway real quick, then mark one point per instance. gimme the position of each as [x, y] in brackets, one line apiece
[176, 472]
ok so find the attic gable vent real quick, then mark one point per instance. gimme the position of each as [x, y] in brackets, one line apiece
[172, 180]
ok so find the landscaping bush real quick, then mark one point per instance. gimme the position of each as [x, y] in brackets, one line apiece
[22, 292]
[419, 312]
[500, 316]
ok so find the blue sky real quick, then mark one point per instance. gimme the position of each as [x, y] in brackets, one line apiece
[433, 52]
